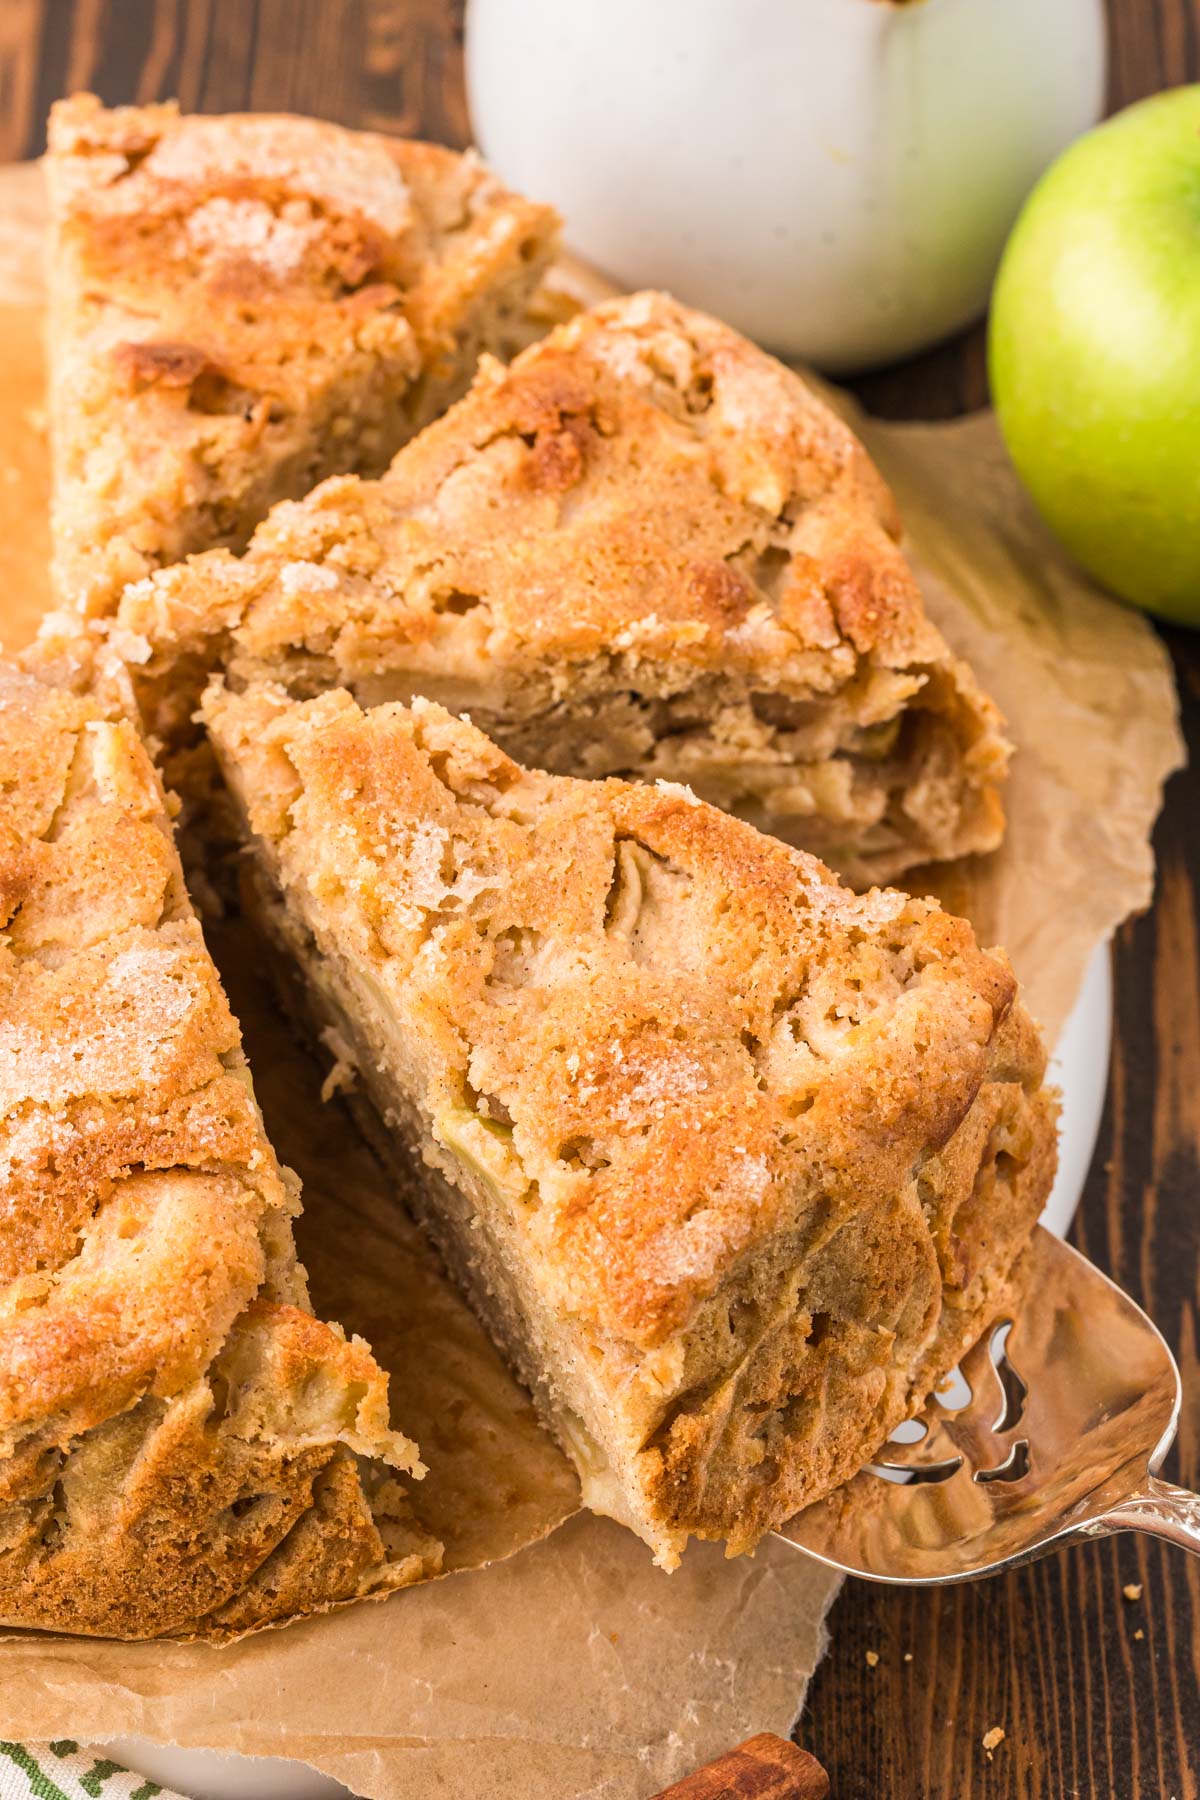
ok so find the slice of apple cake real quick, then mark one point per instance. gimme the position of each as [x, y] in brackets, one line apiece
[183, 1446]
[645, 549]
[242, 305]
[733, 1162]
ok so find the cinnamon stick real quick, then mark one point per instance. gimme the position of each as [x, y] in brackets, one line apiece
[765, 1767]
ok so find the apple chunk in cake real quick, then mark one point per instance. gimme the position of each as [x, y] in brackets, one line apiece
[242, 305]
[644, 549]
[733, 1162]
[183, 1446]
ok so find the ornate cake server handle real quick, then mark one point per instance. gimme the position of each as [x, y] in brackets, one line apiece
[1161, 1510]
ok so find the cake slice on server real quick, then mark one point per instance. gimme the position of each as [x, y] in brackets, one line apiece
[184, 1448]
[733, 1162]
[645, 549]
[242, 305]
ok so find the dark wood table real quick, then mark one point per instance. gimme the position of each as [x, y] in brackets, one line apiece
[1098, 1695]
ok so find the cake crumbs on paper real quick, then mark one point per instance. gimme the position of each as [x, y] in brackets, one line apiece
[993, 1739]
[872, 1659]
[1132, 1590]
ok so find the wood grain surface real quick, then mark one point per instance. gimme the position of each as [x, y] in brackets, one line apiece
[1097, 1695]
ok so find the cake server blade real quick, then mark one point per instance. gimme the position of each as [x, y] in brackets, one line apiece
[1052, 1430]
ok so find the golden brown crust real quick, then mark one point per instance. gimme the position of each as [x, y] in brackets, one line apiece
[751, 1151]
[644, 548]
[242, 305]
[170, 1412]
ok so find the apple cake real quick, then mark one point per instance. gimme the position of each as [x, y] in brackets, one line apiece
[184, 1448]
[240, 306]
[646, 549]
[733, 1162]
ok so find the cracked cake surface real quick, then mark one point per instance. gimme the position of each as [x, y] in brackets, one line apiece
[184, 1448]
[241, 305]
[647, 549]
[733, 1162]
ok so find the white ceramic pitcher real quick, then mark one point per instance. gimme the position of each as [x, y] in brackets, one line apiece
[834, 177]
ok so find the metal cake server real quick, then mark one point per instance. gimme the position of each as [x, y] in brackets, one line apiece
[1054, 1432]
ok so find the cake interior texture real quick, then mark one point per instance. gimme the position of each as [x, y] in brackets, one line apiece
[184, 1447]
[645, 549]
[733, 1162]
[242, 305]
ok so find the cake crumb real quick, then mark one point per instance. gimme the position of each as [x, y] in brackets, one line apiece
[908, 1656]
[1132, 1590]
[343, 1075]
[872, 1658]
[680, 790]
[1138, 1635]
[992, 1739]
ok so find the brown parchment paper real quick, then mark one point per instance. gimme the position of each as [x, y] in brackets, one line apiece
[575, 1668]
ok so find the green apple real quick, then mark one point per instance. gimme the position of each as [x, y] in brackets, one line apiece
[1094, 351]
